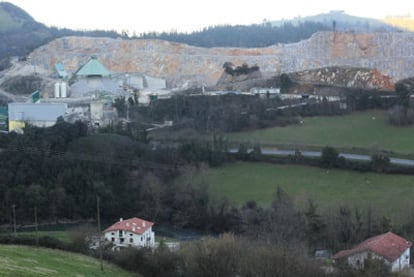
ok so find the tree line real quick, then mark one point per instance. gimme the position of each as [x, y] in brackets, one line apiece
[255, 35]
[227, 113]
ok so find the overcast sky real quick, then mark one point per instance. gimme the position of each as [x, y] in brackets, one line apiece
[186, 15]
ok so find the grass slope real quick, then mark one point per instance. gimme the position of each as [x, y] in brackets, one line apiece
[29, 261]
[362, 129]
[391, 195]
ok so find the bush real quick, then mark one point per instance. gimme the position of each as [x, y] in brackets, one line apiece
[329, 157]
[230, 255]
[379, 162]
[401, 115]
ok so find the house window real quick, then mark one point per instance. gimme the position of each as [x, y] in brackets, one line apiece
[131, 235]
[113, 233]
[131, 240]
[120, 233]
[141, 238]
[112, 239]
[121, 240]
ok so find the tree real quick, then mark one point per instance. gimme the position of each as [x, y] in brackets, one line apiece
[213, 257]
[243, 152]
[403, 94]
[329, 157]
[121, 106]
[400, 115]
[285, 83]
[314, 224]
[228, 68]
[380, 162]
[283, 224]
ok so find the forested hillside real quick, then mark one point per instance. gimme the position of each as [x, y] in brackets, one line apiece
[258, 35]
[20, 33]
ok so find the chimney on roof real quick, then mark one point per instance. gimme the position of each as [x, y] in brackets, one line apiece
[120, 220]
[143, 224]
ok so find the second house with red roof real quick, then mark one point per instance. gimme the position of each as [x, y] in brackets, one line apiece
[133, 232]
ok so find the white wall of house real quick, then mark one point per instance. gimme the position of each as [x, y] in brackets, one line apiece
[402, 262]
[358, 260]
[125, 238]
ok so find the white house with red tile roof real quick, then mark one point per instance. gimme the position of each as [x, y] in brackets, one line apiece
[134, 232]
[392, 249]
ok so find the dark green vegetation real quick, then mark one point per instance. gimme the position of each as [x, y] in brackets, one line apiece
[228, 113]
[257, 35]
[390, 195]
[269, 33]
[60, 170]
[20, 33]
[29, 261]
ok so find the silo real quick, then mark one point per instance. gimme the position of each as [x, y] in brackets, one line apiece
[57, 90]
[63, 90]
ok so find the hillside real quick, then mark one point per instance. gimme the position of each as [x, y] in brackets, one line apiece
[29, 261]
[391, 54]
[20, 33]
[13, 18]
[273, 32]
[343, 22]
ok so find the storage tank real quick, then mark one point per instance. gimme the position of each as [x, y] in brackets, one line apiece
[57, 90]
[63, 90]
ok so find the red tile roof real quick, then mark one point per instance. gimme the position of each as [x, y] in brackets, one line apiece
[133, 225]
[388, 245]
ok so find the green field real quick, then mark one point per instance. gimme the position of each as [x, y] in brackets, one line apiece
[362, 129]
[391, 195]
[29, 261]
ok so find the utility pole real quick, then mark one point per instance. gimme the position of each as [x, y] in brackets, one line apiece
[36, 229]
[14, 219]
[98, 219]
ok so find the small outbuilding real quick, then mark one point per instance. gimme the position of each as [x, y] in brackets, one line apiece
[392, 249]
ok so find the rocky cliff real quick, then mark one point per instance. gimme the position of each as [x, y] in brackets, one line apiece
[391, 54]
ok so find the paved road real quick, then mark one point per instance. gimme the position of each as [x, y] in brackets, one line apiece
[358, 157]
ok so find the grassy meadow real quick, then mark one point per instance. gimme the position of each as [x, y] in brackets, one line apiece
[362, 129]
[391, 195]
[33, 262]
